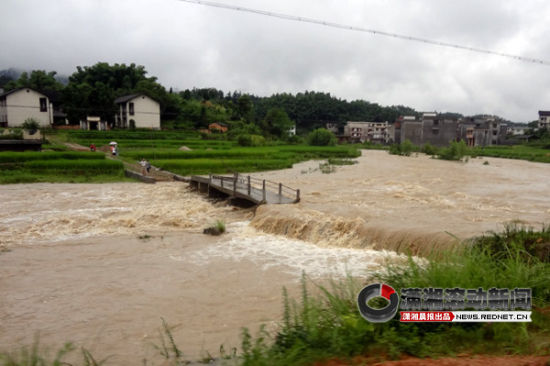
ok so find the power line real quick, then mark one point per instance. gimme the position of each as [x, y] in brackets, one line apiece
[366, 30]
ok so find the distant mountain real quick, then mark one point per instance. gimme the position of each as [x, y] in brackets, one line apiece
[9, 75]
[13, 73]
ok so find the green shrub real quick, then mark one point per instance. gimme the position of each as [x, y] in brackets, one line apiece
[257, 140]
[295, 140]
[11, 134]
[30, 124]
[429, 149]
[244, 140]
[321, 137]
[524, 241]
[456, 151]
[404, 149]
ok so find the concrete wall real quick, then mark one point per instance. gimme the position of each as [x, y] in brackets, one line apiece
[25, 103]
[378, 132]
[146, 112]
[439, 132]
[412, 131]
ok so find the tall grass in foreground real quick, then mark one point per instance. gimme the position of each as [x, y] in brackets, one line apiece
[328, 324]
[35, 355]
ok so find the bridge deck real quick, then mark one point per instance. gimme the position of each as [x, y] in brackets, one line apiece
[248, 188]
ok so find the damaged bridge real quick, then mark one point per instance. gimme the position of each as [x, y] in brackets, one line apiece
[253, 190]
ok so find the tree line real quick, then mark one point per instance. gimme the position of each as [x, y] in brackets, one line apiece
[91, 90]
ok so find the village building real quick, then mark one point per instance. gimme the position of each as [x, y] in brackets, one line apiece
[137, 111]
[432, 128]
[544, 120]
[18, 105]
[482, 131]
[217, 127]
[440, 130]
[374, 132]
[516, 130]
[93, 123]
[398, 124]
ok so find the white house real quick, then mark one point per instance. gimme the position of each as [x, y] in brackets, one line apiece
[137, 111]
[92, 123]
[19, 104]
[292, 131]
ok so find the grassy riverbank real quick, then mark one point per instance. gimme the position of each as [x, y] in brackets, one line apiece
[536, 152]
[325, 323]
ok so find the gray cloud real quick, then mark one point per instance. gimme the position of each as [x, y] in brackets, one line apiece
[187, 45]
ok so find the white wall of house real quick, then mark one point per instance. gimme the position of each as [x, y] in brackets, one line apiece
[146, 112]
[25, 103]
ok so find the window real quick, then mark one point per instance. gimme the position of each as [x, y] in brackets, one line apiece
[131, 108]
[43, 105]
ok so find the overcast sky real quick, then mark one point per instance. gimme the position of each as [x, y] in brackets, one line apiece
[187, 45]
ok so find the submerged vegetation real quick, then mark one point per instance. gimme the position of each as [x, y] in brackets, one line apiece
[406, 148]
[217, 228]
[457, 151]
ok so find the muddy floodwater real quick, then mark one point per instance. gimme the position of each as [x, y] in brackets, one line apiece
[101, 264]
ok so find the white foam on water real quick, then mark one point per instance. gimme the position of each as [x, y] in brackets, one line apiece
[293, 256]
[47, 213]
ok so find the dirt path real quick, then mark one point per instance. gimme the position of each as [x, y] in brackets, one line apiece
[76, 147]
[157, 174]
[447, 361]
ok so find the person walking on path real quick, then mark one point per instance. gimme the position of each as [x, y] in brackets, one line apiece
[143, 164]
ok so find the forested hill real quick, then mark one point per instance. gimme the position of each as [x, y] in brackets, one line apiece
[314, 109]
[308, 110]
[91, 90]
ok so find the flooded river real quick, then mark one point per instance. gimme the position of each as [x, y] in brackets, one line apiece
[100, 264]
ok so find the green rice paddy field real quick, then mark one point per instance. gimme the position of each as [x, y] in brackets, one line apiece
[75, 167]
[184, 153]
[161, 148]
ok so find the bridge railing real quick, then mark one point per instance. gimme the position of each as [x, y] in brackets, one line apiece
[249, 183]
